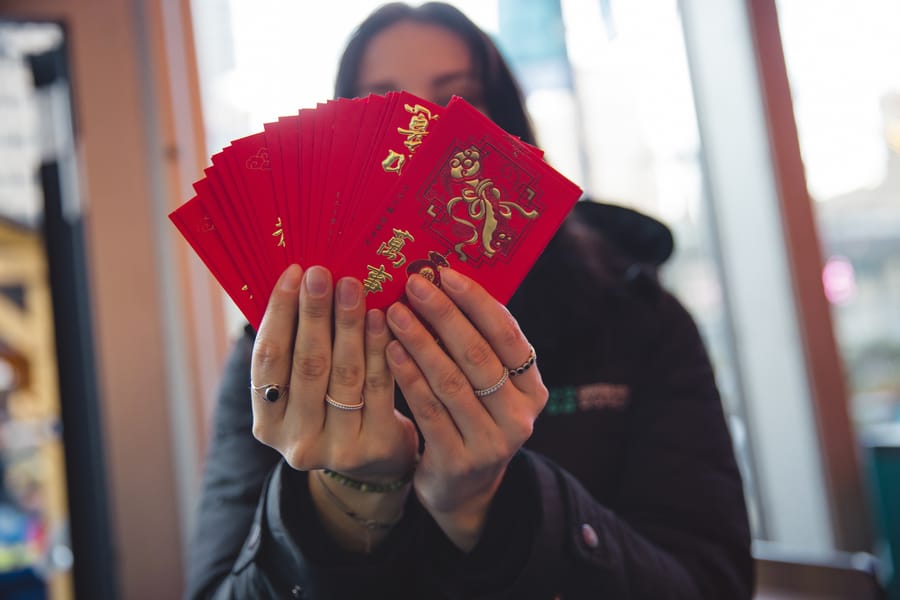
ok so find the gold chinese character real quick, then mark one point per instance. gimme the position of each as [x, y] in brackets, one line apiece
[413, 139]
[394, 162]
[279, 233]
[417, 110]
[391, 248]
[417, 128]
[377, 276]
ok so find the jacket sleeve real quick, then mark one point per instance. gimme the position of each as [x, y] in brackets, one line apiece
[680, 527]
[257, 532]
[287, 553]
[235, 470]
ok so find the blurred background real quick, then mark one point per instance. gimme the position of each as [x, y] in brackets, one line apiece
[765, 133]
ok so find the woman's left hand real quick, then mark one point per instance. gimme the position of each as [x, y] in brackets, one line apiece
[469, 440]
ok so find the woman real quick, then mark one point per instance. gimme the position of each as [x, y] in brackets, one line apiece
[624, 486]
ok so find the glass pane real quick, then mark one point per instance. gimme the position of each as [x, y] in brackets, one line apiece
[842, 65]
[641, 148]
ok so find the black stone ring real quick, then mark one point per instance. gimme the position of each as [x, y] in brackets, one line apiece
[270, 392]
[532, 356]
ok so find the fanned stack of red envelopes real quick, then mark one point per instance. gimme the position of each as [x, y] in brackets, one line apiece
[376, 188]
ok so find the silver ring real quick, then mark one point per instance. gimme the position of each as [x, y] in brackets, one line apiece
[532, 356]
[332, 402]
[490, 390]
[270, 392]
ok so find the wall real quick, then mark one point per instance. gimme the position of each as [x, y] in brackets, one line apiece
[154, 346]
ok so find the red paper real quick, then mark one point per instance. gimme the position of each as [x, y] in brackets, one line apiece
[375, 188]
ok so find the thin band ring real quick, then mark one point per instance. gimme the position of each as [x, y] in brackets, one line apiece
[340, 405]
[490, 390]
[532, 356]
[270, 392]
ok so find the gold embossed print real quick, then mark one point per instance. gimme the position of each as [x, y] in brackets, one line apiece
[415, 134]
[391, 249]
[485, 208]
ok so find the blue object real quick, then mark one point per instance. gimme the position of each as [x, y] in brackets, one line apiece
[884, 466]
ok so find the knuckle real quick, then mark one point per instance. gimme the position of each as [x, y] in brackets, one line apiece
[478, 354]
[266, 353]
[430, 409]
[310, 366]
[523, 429]
[347, 375]
[316, 310]
[377, 383]
[298, 457]
[444, 308]
[543, 394]
[509, 335]
[451, 383]
[260, 431]
[346, 321]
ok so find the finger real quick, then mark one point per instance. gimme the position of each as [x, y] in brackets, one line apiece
[311, 365]
[379, 384]
[447, 383]
[432, 417]
[471, 351]
[348, 355]
[498, 327]
[272, 350]
[478, 340]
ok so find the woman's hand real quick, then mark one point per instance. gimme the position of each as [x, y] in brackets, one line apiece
[374, 443]
[469, 440]
[294, 350]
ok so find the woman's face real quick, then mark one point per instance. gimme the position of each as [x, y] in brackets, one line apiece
[426, 60]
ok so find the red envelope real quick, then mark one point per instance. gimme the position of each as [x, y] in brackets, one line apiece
[376, 188]
[308, 211]
[275, 171]
[197, 227]
[475, 199]
[324, 136]
[248, 164]
[404, 130]
[346, 138]
[289, 137]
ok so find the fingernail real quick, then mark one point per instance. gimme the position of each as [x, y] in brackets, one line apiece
[420, 287]
[317, 281]
[375, 322]
[400, 316]
[452, 280]
[348, 293]
[397, 353]
[290, 279]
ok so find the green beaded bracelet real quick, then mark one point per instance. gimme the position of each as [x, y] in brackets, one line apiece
[363, 486]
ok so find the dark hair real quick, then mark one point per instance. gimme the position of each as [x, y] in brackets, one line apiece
[502, 95]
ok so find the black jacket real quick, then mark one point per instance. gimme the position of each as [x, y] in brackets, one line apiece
[628, 487]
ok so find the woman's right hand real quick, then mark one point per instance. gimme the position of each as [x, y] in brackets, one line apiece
[294, 348]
